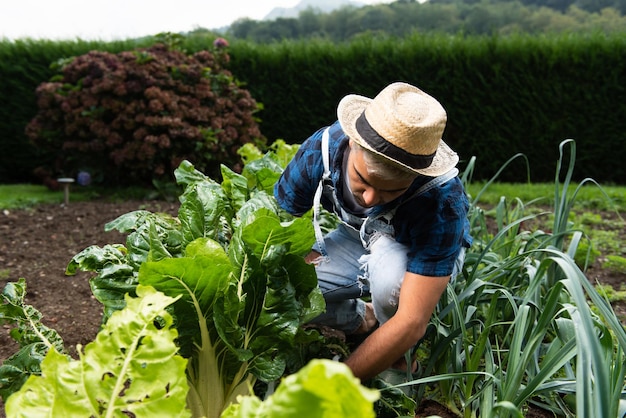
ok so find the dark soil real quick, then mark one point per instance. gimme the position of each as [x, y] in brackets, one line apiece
[37, 244]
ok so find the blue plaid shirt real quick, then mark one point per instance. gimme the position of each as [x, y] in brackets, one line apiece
[433, 225]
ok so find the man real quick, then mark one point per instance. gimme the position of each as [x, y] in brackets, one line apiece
[385, 171]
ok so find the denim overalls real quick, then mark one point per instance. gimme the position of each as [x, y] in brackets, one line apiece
[361, 257]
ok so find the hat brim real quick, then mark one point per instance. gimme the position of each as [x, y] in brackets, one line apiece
[352, 106]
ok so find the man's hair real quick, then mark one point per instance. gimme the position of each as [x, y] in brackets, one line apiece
[382, 167]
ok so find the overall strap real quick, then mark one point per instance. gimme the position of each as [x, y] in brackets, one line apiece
[319, 236]
[431, 184]
[326, 155]
[378, 225]
[437, 181]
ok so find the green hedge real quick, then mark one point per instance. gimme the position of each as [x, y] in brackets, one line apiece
[504, 95]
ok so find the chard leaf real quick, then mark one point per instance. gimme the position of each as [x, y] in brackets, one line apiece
[33, 337]
[231, 323]
[264, 231]
[322, 388]
[94, 258]
[153, 236]
[235, 186]
[203, 212]
[249, 152]
[127, 222]
[158, 248]
[150, 235]
[115, 275]
[203, 271]
[251, 208]
[28, 319]
[302, 276]
[186, 174]
[130, 369]
[259, 204]
[196, 279]
[20, 366]
[282, 152]
[263, 173]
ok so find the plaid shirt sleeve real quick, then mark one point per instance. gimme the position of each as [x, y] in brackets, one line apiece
[435, 227]
[296, 187]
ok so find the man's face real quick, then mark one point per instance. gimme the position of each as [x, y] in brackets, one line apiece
[371, 190]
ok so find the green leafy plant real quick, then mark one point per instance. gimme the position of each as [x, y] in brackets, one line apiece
[234, 263]
[238, 269]
[33, 337]
[130, 369]
[615, 263]
[321, 388]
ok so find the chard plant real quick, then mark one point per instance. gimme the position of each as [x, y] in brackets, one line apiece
[35, 339]
[131, 369]
[234, 264]
[322, 388]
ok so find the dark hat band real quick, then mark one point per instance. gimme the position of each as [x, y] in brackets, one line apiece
[380, 144]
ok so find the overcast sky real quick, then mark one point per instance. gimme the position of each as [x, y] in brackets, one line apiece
[122, 19]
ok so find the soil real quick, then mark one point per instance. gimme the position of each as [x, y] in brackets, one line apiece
[38, 243]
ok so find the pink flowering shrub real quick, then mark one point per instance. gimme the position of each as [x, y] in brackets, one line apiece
[132, 117]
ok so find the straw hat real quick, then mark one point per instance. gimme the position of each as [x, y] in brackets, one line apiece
[403, 124]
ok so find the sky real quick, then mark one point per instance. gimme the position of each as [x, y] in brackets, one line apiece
[108, 20]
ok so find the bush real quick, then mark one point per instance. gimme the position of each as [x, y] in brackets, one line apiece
[132, 117]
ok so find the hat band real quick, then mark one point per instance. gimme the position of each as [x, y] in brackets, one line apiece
[380, 144]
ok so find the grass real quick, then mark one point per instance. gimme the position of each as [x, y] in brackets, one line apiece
[16, 196]
[589, 214]
[611, 294]
[589, 197]
[22, 196]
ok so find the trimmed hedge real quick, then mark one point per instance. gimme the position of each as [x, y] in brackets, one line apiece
[504, 95]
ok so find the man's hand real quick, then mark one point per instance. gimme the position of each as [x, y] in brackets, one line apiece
[419, 296]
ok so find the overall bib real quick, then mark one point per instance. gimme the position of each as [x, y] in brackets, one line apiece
[360, 258]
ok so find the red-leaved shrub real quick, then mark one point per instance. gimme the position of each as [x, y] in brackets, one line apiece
[132, 117]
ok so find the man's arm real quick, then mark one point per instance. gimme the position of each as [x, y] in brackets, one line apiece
[419, 296]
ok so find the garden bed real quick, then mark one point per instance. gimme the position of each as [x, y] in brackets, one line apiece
[38, 243]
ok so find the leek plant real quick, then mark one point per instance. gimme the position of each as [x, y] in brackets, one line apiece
[516, 327]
